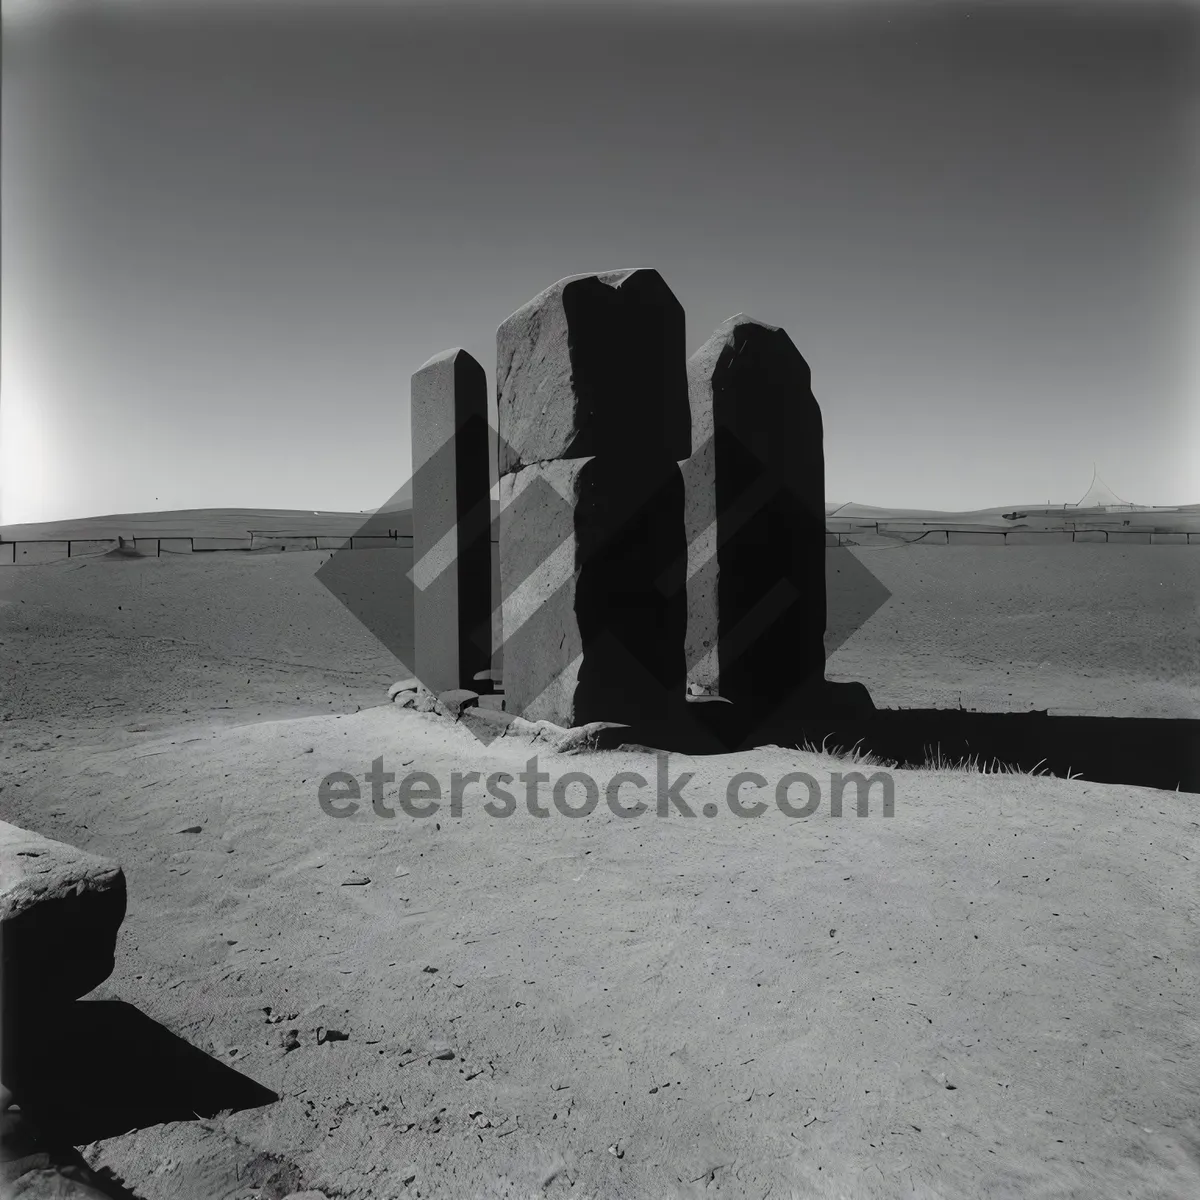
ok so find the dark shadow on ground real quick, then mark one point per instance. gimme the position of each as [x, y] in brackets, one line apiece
[1148, 752]
[99, 1068]
[48, 1169]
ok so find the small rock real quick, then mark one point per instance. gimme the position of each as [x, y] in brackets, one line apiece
[193, 829]
[597, 735]
[455, 700]
[444, 1053]
[401, 686]
[430, 970]
[401, 871]
[291, 1041]
[355, 880]
[616, 1151]
[330, 1035]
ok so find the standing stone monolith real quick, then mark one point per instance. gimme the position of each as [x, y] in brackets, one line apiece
[755, 505]
[593, 412]
[452, 570]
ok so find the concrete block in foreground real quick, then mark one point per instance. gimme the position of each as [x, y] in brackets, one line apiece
[60, 910]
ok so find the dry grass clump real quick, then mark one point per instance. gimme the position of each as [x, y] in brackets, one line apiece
[935, 760]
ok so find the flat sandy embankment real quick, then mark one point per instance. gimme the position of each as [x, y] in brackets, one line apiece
[991, 993]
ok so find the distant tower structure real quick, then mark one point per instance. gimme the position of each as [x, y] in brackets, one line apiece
[1100, 495]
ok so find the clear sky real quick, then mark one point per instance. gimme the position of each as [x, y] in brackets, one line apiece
[233, 231]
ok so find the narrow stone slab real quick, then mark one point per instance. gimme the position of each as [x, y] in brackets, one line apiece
[594, 363]
[452, 553]
[592, 560]
[60, 909]
[755, 516]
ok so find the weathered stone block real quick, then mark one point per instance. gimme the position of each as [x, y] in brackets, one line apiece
[593, 364]
[60, 910]
[592, 562]
[755, 516]
[452, 516]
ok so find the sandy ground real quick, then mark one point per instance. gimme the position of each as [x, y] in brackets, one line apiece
[991, 993]
[1089, 630]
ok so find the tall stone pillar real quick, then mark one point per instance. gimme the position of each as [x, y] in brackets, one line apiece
[452, 570]
[755, 504]
[593, 411]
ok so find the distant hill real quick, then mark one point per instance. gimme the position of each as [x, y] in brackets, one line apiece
[396, 517]
[217, 522]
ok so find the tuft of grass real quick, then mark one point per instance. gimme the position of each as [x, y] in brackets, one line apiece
[855, 756]
[935, 760]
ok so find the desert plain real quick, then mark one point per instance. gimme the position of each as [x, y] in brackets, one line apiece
[991, 993]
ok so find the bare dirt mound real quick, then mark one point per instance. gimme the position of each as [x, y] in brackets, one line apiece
[991, 993]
